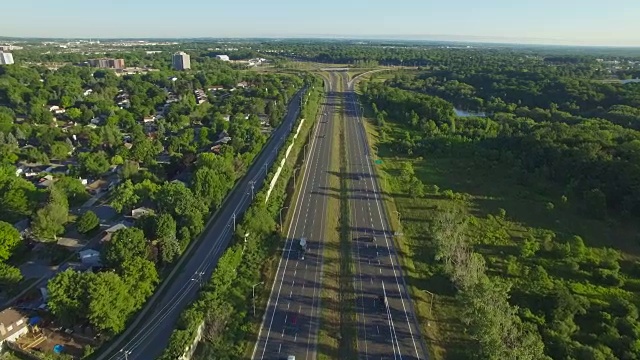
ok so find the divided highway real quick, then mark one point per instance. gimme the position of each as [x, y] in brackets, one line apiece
[387, 325]
[290, 324]
[149, 338]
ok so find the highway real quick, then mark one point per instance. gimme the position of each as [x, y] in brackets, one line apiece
[385, 331]
[149, 338]
[290, 323]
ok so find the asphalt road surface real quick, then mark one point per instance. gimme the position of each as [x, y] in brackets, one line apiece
[290, 323]
[387, 329]
[148, 339]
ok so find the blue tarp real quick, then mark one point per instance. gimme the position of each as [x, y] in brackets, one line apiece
[34, 320]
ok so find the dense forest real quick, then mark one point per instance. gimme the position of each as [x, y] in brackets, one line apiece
[548, 128]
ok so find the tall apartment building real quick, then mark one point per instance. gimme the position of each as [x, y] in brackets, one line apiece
[6, 58]
[181, 61]
[107, 63]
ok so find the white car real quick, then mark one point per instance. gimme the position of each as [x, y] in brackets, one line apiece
[291, 357]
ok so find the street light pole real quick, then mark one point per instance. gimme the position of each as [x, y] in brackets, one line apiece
[126, 354]
[246, 235]
[281, 229]
[294, 175]
[253, 293]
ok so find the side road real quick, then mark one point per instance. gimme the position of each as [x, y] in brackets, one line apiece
[149, 333]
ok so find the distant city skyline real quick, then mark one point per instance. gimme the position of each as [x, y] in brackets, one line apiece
[561, 22]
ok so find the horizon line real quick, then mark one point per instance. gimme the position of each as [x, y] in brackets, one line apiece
[473, 39]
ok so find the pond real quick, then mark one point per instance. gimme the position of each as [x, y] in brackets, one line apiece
[466, 113]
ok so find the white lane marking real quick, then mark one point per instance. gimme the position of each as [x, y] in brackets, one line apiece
[298, 208]
[290, 293]
[279, 348]
[384, 232]
[293, 283]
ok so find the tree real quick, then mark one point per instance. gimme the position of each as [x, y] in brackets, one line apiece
[529, 247]
[60, 150]
[110, 302]
[169, 249]
[75, 192]
[68, 296]
[165, 227]
[9, 240]
[141, 278]
[209, 186]
[9, 276]
[49, 221]
[578, 249]
[87, 222]
[125, 197]
[74, 114]
[125, 244]
[94, 163]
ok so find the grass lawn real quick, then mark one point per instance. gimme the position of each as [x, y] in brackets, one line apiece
[481, 191]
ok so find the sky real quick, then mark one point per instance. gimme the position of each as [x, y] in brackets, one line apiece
[568, 22]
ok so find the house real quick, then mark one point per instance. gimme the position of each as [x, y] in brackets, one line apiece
[140, 212]
[109, 232]
[223, 138]
[90, 257]
[149, 119]
[216, 149]
[223, 57]
[242, 84]
[46, 182]
[22, 226]
[13, 324]
[53, 108]
[215, 88]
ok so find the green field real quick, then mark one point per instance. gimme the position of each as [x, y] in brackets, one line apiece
[503, 211]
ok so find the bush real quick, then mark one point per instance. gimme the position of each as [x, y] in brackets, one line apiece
[87, 222]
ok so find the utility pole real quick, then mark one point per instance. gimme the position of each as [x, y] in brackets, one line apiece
[234, 221]
[197, 277]
[253, 292]
[126, 354]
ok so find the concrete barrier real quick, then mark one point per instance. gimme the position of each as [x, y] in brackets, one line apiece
[282, 162]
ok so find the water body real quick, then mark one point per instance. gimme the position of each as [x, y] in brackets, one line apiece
[465, 113]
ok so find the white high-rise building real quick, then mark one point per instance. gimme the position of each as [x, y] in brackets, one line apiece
[181, 61]
[6, 58]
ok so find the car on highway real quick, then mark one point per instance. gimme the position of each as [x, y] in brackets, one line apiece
[368, 238]
[382, 302]
[291, 357]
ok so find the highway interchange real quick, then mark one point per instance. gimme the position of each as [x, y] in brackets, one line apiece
[290, 324]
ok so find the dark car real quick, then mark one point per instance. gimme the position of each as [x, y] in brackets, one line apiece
[382, 302]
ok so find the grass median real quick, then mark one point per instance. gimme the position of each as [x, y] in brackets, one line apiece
[337, 336]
